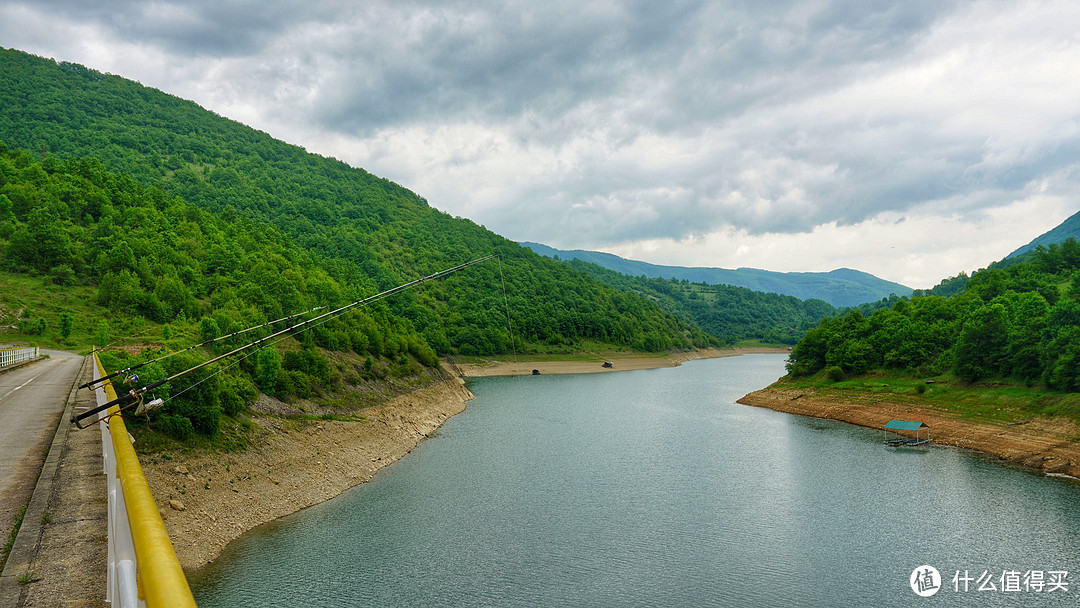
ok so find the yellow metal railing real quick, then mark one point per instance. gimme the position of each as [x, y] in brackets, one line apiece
[161, 579]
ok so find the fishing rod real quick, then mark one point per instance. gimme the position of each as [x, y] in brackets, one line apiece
[205, 343]
[134, 396]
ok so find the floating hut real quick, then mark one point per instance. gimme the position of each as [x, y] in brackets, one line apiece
[895, 439]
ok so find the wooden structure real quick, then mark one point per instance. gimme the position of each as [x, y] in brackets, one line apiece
[895, 439]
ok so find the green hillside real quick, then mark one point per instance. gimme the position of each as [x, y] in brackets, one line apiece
[732, 313]
[132, 217]
[1069, 229]
[1019, 323]
[842, 287]
[364, 232]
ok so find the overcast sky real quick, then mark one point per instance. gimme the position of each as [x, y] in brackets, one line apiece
[910, 139]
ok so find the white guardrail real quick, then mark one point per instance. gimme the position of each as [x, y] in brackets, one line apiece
[11, 356]
[122, 588]
[143, 569]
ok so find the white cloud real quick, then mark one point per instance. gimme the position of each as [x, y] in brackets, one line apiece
[917, 249]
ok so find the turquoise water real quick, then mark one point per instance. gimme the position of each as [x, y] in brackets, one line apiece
[654, 488]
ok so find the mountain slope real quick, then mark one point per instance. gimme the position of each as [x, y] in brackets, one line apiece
[732, 313]
[365, 232]
[1070, 228]
[842, 287]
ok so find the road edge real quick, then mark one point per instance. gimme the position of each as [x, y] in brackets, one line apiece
[28, 538]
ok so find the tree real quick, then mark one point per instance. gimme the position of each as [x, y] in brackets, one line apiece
[208, 329]
[101, 333]
[982, 343]
[65, 325]
[268, 365]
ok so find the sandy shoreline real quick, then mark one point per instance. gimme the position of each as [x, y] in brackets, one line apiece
[621, 363]
[1043, 444]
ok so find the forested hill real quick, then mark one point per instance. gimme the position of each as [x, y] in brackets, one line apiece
[842, 287]
[340, 230]
[1019, 322]
[732, 313]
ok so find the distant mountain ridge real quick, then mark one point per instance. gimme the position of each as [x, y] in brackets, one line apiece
[1070, 228]
[841, 287]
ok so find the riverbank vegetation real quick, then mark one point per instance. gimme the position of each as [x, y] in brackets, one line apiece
[1014, 323]
[986, 402]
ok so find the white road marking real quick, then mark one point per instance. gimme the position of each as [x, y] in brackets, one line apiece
[20, 386]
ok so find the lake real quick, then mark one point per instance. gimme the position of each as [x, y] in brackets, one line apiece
[654, 488]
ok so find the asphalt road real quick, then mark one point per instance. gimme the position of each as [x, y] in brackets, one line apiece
[32, 398]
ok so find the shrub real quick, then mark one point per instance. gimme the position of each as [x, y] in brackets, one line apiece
[177, 427]
[237, 395]
[835, 374]
[195, 395]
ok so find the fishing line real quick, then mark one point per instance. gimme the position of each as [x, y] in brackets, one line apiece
[256, 351]
[135, 395]
[204, 343]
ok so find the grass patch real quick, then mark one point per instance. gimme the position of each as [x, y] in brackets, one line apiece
[983, 402]
[28, 299]
[327, 417]
[16, 524]
[759, 343]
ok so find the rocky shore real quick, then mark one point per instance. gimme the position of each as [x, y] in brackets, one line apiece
[1046, 444]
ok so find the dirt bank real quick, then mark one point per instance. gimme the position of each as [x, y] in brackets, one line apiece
[1046, 444]
[621, 363]
[211, 499]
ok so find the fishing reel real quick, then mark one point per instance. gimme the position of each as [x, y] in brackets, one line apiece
[133, 398]
[149, 406]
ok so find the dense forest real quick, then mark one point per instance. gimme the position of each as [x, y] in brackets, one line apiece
[731, 313]
[1016, 322]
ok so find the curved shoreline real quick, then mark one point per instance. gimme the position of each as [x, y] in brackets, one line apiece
[1043, 444]
[621, 363]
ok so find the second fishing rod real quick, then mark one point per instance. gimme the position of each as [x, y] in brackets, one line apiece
[234, 334]
[135, 395]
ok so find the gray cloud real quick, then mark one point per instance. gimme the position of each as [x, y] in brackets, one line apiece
[612, 123]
